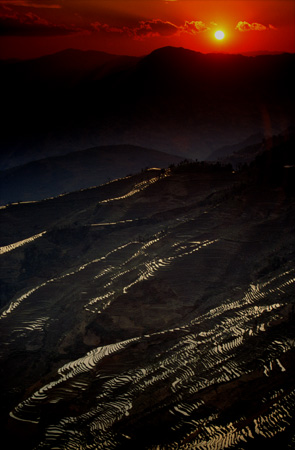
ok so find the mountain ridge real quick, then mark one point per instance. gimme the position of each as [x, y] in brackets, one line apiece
[40, 179]
[177, 107]
[97, 52]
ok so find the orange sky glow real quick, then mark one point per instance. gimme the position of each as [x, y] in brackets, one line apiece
[31, 28]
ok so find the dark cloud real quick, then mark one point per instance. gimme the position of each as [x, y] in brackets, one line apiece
[17, 19]
[30, 4]
[142, 29]
[153, 28]
[30, 24]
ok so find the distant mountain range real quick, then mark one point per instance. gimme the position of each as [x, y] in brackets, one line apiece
[67, 68]
[228, 150]
[173, 100]
[263, 52]
[246, 151]
[56, 175]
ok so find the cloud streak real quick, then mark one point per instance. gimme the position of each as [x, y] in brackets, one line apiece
[153, 28]
[28, 4]
[30, 24]
[244, 26]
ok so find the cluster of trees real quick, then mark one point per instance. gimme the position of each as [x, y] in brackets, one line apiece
[274, 167]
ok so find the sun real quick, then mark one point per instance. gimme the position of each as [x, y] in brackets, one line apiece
[219, 35]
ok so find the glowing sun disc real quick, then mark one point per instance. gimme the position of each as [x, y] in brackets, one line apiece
[219, 35]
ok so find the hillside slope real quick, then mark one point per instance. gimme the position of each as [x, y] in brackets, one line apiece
[49, 177]
[154, 312]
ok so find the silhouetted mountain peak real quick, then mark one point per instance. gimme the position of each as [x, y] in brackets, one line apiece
[171, 52]
[170, 58]
[183, 58]
[67, 65]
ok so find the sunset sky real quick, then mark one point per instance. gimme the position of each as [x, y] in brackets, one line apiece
[31, 28]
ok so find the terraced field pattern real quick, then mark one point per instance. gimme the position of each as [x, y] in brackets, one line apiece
[155, 312]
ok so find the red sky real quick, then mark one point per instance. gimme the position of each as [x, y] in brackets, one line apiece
[31, 28]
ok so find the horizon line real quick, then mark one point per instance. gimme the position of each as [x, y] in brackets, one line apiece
[247, 54]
